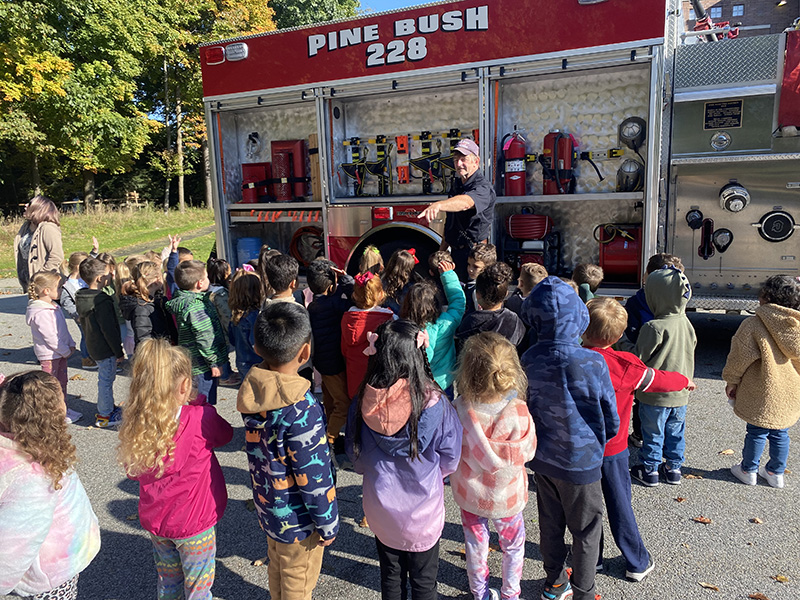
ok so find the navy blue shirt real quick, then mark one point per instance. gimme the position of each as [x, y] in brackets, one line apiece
[465, 228]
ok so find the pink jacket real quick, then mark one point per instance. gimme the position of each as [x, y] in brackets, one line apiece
[499, 439]
[51, 338]
[190, 497]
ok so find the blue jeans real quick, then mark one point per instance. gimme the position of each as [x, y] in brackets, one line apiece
[754, 442]
[207, 386]
[663, 431]
[106, 374]
[82, 346]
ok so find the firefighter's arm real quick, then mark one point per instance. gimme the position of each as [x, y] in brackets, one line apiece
[454, 204]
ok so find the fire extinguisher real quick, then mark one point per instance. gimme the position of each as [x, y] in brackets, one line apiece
[514, 151]
[558, 162]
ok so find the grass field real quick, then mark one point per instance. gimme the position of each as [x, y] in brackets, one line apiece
[119, 232]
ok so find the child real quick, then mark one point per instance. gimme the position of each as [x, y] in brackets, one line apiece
[398, 278]
[142, 303]
[762, 376]
[282, 271]
[174, 255]
[290, 464]
[404, 437]
[481, 256]
[571, 399]
[491, 289]
[67, 301]
[199, 330]
[264, 256]
[667, 342]
[166, 443]
[245, 302]
[422, 307]
[219, 275]
[371, 261]
[359, 325]
[52, 343]
[588, 277]
[332, 289]
[433, 272]
[100, 325]
[636, 306]
[48, 530]
[490, 482]
[607, 321]
[529, 275]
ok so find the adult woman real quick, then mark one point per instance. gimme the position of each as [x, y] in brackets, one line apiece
[37, 246]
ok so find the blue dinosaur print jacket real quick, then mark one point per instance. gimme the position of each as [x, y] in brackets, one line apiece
[287, 451]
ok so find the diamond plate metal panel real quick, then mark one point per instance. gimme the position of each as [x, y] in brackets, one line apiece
[721, 303]
[742, 60]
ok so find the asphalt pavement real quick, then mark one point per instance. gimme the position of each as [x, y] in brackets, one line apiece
[750, 546]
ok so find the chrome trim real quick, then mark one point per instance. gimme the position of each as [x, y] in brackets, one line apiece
[722, 93]
[395, 225]
[221, 217]
[716, 159]
[653, 168]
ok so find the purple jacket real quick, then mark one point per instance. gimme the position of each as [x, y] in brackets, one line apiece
[404, 498]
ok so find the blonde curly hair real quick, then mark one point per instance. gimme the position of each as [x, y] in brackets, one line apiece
[489, 368]
[149, 420]
[32, 409]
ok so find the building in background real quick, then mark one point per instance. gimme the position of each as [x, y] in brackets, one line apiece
[770, 16]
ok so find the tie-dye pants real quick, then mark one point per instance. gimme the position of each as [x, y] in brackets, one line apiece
[511, 532]
[186, 566]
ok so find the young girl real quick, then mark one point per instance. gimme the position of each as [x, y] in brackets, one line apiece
[122, 275]
[404, 437]
[421, 306]
[263, 258]
[490, 483]
[49, 531]
[219, 277]
[68, 291]
[245, 302]
[359, 325]
[763, 379]
[398, 278]
[52, 342]
[142, 303]
[371, 260]
[167, 442]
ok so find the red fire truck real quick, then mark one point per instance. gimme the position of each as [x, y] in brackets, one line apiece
[607, 138]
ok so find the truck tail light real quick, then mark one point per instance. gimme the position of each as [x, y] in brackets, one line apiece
[215, 55]
[383, 213]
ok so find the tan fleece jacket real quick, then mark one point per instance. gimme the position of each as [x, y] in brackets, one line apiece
[764, 362]
[264, 390]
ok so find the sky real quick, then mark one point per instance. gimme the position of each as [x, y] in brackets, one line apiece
[381, 5]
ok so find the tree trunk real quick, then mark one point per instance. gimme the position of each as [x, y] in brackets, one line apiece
[207, 171]
[88, 189]
[36, 182]
[168, 170]
[179, 144]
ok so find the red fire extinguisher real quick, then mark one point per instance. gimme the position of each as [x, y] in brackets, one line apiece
[514, 151]
[558, 162]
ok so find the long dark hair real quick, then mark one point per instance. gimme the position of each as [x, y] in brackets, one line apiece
[398, 357]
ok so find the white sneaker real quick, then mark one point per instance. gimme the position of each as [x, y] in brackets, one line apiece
[493, 594]
[774, 479]
[744, 476]
[639, 576]
[73, 416]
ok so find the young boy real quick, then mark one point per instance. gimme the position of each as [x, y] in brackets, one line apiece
[588, 277]
[199, 329]
[607, 321]
[290, 465]
[98, 321]
[491, 289]
[332, 289]
[481, 256]
[282, 271]
[529, 275]
[571, 399]
[174, 255]
[433, 272]
[666, 342]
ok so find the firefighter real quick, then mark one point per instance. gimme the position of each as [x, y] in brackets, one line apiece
[471, 204]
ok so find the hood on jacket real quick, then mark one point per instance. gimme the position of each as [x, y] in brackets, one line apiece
[128, 304]
[399, 443]
[555, 311]
[264, 390]
[667, 291]
[502, 321]
[499, 445]
[386, 411]
[37, 306]
[783, 325]
[358, 322]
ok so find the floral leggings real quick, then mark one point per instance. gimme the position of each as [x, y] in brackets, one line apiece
[511, 531]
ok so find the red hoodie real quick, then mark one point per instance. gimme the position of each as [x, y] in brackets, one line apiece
[628, 375]
[356, 323]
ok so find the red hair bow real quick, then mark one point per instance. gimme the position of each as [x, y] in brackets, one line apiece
[413, 253]
[363, 278]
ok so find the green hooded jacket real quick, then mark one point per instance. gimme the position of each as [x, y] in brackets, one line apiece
[668, 341]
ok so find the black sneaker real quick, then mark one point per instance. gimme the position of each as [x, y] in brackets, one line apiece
[635, 440]
[671, 476]
[643, 476]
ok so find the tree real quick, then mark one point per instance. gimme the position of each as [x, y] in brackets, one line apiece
[294, 13]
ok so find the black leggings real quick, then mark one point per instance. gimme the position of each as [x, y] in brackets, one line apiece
[400, 566]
